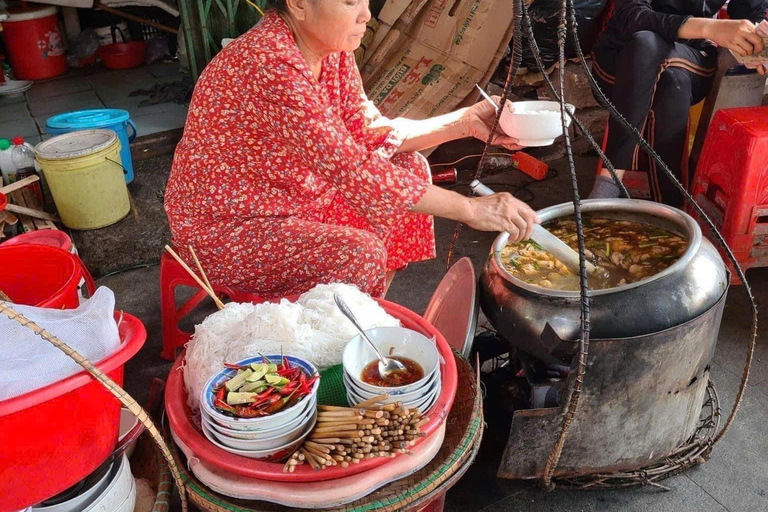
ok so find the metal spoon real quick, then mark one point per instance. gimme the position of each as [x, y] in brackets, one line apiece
[386, 366]
[544, 238]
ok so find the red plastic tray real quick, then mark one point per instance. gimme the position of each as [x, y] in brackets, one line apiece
[179, 417]
[3, 201]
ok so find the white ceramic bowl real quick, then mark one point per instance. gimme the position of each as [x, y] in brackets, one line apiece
[276, 454]
[117, 491]
[428, 386]
[390, 341]
[94, 486]
[534, 123]
[354, 399]
[264, 442]
[264, 434]
[130, 501]
[266, 422]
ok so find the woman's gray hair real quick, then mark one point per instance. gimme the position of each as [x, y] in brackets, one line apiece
[278, 5]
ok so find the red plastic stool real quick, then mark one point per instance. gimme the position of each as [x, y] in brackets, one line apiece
[635, 180]
[729, 183]
[172, 275]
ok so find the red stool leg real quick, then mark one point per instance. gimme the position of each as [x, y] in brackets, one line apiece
[172, 275]
[167, 308]
[602, 148]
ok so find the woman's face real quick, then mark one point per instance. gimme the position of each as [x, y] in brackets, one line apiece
[334, 25]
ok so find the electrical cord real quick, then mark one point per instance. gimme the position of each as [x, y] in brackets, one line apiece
[476, 155]
[519, 190]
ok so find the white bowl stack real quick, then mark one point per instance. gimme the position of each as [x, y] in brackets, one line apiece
[393, 341]
[269, 438]
[111, 490]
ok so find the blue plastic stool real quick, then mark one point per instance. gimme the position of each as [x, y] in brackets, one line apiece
[106, 118]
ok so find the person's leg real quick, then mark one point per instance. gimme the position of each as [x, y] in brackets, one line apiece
[639, 67]
[685, 81]
[274, 259]
[636, 70]
[312, 253]
[411, 239]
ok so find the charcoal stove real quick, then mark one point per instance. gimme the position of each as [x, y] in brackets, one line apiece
[651, 347]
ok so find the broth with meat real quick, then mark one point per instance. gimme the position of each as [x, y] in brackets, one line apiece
[624, 252]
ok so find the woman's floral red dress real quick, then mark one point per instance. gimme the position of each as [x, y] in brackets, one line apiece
[282, 181]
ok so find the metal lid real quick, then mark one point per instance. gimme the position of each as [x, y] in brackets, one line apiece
[75, 144]
[83, 119]
[30, 13]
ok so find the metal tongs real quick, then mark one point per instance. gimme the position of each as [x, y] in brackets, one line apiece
[545, 239]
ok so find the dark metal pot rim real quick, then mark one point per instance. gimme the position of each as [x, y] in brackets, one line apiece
[688, 228]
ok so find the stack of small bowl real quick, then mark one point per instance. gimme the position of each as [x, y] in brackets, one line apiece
[393, 341]
[269, 438]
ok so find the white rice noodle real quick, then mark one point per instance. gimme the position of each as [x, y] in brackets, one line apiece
[312, 328]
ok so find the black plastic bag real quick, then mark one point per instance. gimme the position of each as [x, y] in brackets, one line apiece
[545, 17]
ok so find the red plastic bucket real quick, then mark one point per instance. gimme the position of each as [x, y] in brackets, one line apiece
[55, 436]
[49, 237]
[34, 43]
[123, 55]
[43, 276]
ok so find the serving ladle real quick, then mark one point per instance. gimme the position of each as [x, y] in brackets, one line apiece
[545, 239]
[386, 366]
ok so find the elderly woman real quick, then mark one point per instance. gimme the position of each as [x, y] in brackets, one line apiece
[287, 176]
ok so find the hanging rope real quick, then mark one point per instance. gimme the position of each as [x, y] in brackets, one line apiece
[517, 58]
[699, 211]
[575, 383]
[574, 388]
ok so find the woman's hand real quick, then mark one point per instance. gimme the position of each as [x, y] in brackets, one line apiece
[736, 35]
[502, 212]
[479, 119]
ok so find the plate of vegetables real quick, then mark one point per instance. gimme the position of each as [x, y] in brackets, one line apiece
[262, 393]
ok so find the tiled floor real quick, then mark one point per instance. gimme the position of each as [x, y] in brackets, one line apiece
[25, 115]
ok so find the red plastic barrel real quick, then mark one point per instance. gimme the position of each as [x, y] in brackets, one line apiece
[43, 276]
[54, 437]
[34, 43]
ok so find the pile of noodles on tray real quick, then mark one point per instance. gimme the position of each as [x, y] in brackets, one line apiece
[312, 328]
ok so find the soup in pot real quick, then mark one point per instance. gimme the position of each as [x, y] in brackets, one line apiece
[624, 252]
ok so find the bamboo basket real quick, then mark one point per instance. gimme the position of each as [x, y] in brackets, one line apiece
[464, 428]
[148, 463]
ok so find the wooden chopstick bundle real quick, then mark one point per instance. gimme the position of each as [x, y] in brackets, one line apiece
[347, 435]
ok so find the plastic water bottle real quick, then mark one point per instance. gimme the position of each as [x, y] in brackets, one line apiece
[23, 158]
[6, 164]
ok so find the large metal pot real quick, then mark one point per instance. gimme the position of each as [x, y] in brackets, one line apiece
[545, 322]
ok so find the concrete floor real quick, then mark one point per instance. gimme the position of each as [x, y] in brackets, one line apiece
[735, 479]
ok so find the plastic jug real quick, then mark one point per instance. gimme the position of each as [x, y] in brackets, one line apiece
[23, 159]
[6, 163]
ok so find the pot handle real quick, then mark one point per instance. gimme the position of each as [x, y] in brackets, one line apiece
[135, 131]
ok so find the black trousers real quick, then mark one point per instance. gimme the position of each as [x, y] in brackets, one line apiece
[653, 83]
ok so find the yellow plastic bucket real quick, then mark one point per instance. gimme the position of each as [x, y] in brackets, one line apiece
[86, 179]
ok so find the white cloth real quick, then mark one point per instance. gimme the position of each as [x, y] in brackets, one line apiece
[28, 362]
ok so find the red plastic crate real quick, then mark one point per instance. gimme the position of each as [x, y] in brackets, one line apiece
[731, 182]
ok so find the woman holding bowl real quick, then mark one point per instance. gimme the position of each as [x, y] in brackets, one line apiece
[287, 176]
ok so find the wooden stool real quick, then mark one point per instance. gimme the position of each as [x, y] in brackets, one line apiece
[172, 275]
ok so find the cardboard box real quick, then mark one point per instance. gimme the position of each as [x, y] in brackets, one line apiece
[429, 66]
